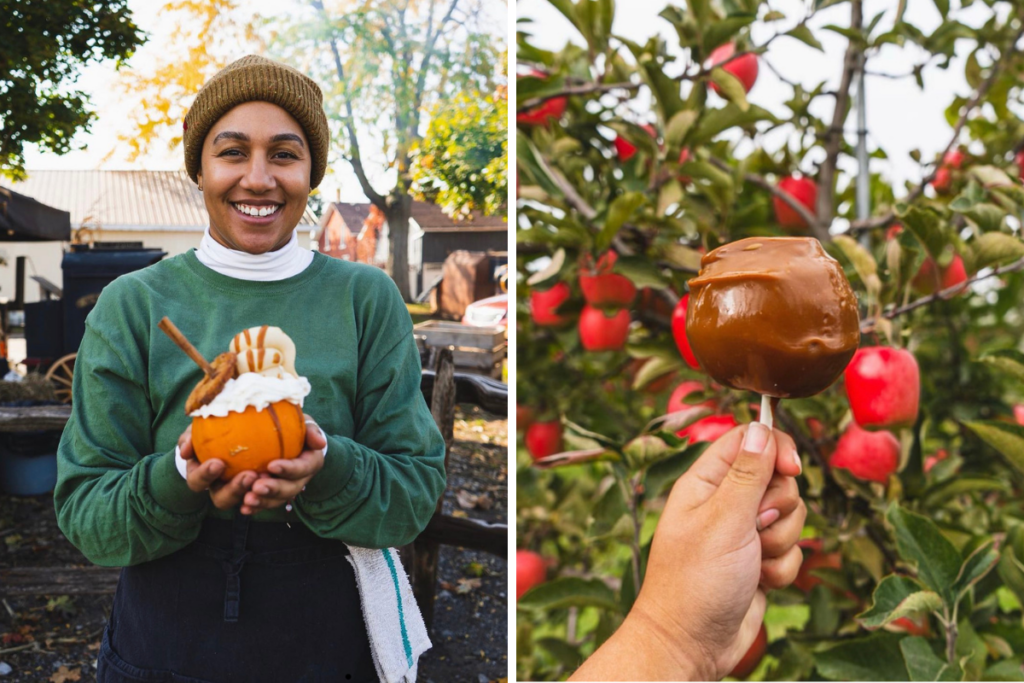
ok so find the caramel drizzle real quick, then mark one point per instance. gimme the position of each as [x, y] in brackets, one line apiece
[277, 426]
[262, 335]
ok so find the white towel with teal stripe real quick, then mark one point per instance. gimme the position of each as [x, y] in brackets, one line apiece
[397, 633]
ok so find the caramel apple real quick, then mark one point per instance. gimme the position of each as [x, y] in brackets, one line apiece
[774, 315]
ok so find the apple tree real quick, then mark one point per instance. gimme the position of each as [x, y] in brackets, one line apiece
[633, 160]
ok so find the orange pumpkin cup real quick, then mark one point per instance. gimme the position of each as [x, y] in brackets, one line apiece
[252, 439]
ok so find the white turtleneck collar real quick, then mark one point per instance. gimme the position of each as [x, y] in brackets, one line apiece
[287, 261]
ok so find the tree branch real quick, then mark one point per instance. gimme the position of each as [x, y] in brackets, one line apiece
[868, 324]
[349, 122]
[834, 137]
[817, 229]
[972, 104]
[576, 90]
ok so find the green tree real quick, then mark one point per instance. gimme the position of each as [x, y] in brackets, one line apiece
[940, 541]
[386, 64]
[44, 45]
[462, 161]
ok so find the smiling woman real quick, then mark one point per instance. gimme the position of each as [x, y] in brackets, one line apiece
[131, 492]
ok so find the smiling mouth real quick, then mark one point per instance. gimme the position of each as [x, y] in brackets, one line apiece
[257, 211]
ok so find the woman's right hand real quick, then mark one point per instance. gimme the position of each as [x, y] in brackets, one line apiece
[206, 476]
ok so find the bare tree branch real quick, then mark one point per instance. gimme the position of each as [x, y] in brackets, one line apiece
[834, 136]
[972, 104]
[868, 324]
[349, 121]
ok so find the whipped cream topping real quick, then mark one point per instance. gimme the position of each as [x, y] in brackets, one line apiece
[254, 389]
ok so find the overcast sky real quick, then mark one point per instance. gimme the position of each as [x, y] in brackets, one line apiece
[99, 81]
[900, 116]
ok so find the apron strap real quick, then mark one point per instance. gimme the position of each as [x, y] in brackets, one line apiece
[233, 567]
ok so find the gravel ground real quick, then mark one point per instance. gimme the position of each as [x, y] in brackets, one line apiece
[55, 638]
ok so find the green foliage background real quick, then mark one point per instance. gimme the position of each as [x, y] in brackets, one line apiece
[946, 545]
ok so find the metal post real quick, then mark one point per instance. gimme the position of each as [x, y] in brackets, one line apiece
[863, 171]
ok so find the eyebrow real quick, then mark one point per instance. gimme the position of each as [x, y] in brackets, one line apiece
[242, 137]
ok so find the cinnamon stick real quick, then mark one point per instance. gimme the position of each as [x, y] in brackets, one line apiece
[185, 345]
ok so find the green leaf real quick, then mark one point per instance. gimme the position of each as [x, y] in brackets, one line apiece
[975, 567]
[987, 216]
[640, 271]
[802, 33]
[926, 225]
[657, 366]
[922, 662]
[875, 658]
[943, 7]
[951, 489]
[774, 15]
[920, 542]
[679, 125]
[895, 597]
[854, 35]
[1008, 361]
[608, 510]
[620, 211]
[730, 88]
[1006, 438]
[862, 260]
[991, 176]
[715, 121]
[1005, 670]
[663, 474]
[682, 257]
[719, 32]
[567, 655]
[994, 248]
[570, 591]
[645, 450]
[1011, 567]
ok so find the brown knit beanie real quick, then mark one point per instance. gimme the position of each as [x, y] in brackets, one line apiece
[250, 79]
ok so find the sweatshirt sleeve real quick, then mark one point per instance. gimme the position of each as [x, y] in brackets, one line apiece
[379, 488]
[117, 501]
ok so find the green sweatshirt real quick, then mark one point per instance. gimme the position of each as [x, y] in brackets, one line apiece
[119, 497]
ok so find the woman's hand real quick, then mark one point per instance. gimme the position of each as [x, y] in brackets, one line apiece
[727, 534]
[206, 476]
[287, 478]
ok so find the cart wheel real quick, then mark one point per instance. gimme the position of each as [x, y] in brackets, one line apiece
[60, 375]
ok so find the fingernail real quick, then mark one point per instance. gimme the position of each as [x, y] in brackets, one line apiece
[262, 490]
[756, 438]
[799, 463]
[766, 518]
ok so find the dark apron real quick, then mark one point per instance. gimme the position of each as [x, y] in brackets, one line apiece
[247, 602]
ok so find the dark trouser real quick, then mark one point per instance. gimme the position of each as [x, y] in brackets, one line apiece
[245, 602]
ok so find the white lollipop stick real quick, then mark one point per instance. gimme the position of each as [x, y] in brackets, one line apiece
[766, 412]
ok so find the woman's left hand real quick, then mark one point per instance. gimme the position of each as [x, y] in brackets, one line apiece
[287, 478]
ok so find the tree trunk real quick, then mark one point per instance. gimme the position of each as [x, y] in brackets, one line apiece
[398, 212]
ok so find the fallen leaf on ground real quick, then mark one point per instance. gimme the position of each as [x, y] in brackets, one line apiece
[467, 585]
[64, 674]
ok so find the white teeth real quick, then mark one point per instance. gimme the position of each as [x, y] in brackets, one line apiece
[256, 210]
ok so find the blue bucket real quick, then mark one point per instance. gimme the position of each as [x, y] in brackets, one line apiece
[28, 460]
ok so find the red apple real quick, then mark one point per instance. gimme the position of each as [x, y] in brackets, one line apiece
[928, 282]
[677, 401]
[753, 657]
[803, 190]
[816, 428]
[1018, 413]
[626, 149]
[883, 385]
[815, 559]
[709, 428]
[870, 456]
[679, 332]
[602, 287]
[893, 231]
[915, 627]
[743, 67]
[1019, 160]
[544, 439]
[545, 112]
[943, 180]
[930, 461]
[524, 417]
[600, 332]
[530, 571]
[543, 305]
